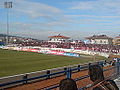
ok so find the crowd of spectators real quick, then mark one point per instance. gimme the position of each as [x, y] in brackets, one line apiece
[77, 46]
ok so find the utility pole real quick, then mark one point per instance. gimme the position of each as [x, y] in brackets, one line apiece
[7, 5]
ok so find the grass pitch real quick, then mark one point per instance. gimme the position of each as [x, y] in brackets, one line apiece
[18, 62]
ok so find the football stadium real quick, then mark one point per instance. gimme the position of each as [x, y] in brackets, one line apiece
[29, 64]
[59, 45]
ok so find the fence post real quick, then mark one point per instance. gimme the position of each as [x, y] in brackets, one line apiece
[25, 78]
[68, 73]
[102, 63]
[48, 72]
[65, 69]
[89, 65]
[118, 66]
[78, 68]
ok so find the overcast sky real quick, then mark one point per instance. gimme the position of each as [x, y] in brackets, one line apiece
[74, 18]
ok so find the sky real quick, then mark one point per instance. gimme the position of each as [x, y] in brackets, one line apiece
[74, 18]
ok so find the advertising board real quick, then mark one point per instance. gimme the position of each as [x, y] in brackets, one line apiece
[72, 54]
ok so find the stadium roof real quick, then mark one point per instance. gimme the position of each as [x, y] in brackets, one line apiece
[59, 36]
[99, 37]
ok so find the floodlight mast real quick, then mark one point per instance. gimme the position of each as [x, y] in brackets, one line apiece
[7, 5]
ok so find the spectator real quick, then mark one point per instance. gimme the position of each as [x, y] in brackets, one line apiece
[96, 75]
[67, 84]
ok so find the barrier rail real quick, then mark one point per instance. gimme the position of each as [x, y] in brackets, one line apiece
[113, 76]
[61, 71]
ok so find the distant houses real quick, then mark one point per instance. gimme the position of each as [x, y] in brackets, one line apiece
[58, 38]
[95, 39]
[15, 39]
[100, 39]
[116, 40]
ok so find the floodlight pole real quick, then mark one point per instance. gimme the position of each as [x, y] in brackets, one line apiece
[7, 5]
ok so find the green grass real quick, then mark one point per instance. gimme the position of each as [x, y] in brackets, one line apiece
[17, 62]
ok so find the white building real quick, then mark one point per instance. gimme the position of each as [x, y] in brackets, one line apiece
[116, 40]
[58, 38]
[100, 39]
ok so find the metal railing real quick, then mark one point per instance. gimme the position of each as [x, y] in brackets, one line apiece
[67, 71]
[114, 75]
